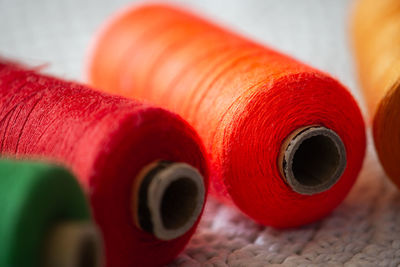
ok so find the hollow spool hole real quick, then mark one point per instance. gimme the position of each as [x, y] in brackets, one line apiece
[88, 253]
[316, 161]
[179, 202]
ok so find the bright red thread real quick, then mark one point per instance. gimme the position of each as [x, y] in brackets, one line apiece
[105, 140]
[244, 99]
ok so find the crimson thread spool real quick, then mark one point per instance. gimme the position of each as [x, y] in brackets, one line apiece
[143, 167]
[45, 219]
[286, 142]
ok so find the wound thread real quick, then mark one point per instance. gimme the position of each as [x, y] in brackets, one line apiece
[106, 141]
[244, 99]
[37, 198]
[376, 41]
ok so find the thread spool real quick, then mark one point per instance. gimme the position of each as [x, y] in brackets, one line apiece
[245, 100]
[109, 142]
[41, 203]
[375, 34]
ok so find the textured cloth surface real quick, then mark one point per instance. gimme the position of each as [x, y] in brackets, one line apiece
[363, 231]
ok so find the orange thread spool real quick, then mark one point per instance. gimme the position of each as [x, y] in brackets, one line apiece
[285, 141]
[376, 38]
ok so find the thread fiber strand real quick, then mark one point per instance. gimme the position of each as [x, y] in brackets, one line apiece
[244, 99]
[106, 140]
[376, 39]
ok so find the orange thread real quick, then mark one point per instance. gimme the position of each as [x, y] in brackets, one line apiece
[376, 38]
[245, 100]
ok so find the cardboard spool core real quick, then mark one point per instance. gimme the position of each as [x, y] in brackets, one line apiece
[73, 244]
[312, 159]
[167, 198]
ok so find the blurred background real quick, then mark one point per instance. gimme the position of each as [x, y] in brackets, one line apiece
[363, 231]
[59, 32]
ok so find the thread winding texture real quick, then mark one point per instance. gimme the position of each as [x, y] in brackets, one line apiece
[34, 198]
[376, 39]
[244, 99]
[105, 140]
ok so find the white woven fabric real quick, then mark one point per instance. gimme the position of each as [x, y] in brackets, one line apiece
[363, 231]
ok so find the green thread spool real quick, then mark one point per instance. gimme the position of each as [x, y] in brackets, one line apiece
[44, 218]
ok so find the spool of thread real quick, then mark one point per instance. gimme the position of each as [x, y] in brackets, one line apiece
[45, 219]
[286, 142]
[143, 167]
[376, 38]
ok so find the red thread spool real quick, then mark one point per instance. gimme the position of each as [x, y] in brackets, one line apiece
[135, 161]
[286, 141]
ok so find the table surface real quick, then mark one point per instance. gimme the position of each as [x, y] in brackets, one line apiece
[363, 231]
